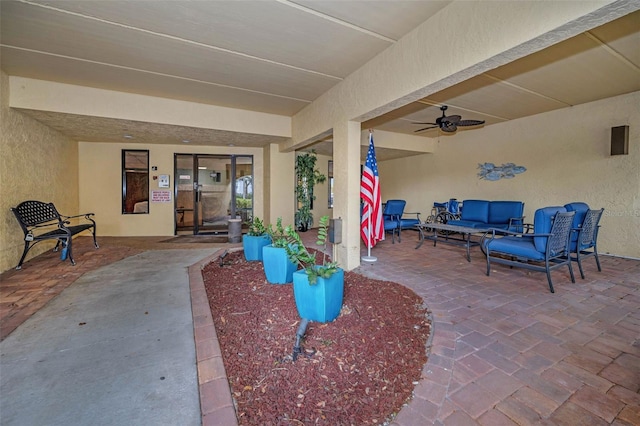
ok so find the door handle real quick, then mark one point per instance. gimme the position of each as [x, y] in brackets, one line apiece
[198, 188]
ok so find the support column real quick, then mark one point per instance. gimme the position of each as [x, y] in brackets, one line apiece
[279, 185]
[346, 201]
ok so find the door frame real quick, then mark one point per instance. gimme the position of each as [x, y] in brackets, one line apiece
[233, 211]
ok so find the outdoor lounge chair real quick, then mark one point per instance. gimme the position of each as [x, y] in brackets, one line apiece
[546, 249]
[584, 238]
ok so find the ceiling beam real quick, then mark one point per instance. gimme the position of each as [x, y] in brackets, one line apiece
[43, 95]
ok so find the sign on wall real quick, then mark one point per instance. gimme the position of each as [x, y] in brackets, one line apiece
[160, 196]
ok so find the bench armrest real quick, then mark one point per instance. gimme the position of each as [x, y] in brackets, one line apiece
[65, 220]
[85, 215]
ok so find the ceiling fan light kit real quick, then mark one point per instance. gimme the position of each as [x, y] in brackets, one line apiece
[449, 124]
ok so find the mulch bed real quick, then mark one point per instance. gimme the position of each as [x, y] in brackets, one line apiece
[366, 362]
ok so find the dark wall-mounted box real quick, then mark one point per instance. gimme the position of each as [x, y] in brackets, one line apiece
[620, 140]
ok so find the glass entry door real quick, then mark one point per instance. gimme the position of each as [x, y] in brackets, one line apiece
[211, 189]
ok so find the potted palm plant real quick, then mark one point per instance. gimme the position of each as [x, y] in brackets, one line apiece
[277, 267]
[318, 288]
[306, 178]
[255, 239]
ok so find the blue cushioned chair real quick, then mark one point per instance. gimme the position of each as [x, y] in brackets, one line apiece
[391, 215]
[584, 239]
[394, 212]
[544, 250]
[409, 222]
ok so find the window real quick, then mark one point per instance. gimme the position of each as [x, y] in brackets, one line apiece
[135, 181]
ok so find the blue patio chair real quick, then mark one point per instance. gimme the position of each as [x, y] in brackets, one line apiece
[391, 215]
[394, 212]
[584, 238]
[546, 249]
[409, 222]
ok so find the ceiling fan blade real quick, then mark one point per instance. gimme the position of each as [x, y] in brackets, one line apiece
[426, 128]
[452, 118]
[426, 122]
[470, 122]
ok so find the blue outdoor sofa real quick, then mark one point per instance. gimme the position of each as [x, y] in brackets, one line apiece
[508, 215]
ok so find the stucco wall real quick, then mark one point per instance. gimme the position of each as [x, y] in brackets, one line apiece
[36, 163]
[567, 156]
[100, 185]
[279, 185]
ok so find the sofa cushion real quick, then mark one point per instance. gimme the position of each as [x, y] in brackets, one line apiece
[504, 226]
[516, 246]
[468, 223]
[475, 210]
[542, 222]
[409, 223]
[501, 211]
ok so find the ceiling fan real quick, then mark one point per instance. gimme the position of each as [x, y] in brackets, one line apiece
[449, 124]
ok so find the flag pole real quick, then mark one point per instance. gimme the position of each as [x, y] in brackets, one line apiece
[368, 258]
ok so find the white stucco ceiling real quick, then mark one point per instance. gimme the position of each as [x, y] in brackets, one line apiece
[278, 57]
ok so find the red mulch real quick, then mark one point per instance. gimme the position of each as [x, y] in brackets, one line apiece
[366, 361]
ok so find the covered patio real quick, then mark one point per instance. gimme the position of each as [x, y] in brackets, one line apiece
[83, 82]
[503, 349]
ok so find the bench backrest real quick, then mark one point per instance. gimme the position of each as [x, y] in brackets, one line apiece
[491, 212]
[503, 211]
[32, 213]
[475, 210]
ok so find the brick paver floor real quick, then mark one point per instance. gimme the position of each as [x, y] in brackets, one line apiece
[503, 351]
[507, 351]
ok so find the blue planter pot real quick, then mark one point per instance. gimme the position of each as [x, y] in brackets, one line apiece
[253, 246]
[322, 301]
[277, 266]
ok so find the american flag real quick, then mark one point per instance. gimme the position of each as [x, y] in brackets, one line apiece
[371, 224]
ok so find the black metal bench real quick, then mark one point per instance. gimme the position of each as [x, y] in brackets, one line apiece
[41, 221]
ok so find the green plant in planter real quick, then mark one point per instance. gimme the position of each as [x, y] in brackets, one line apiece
[306, 178]
[278, 235]
[277, 267]
[255, 238]
[256, 227]
[300, 255]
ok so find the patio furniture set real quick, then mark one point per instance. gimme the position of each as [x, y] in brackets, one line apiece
[557, 236]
